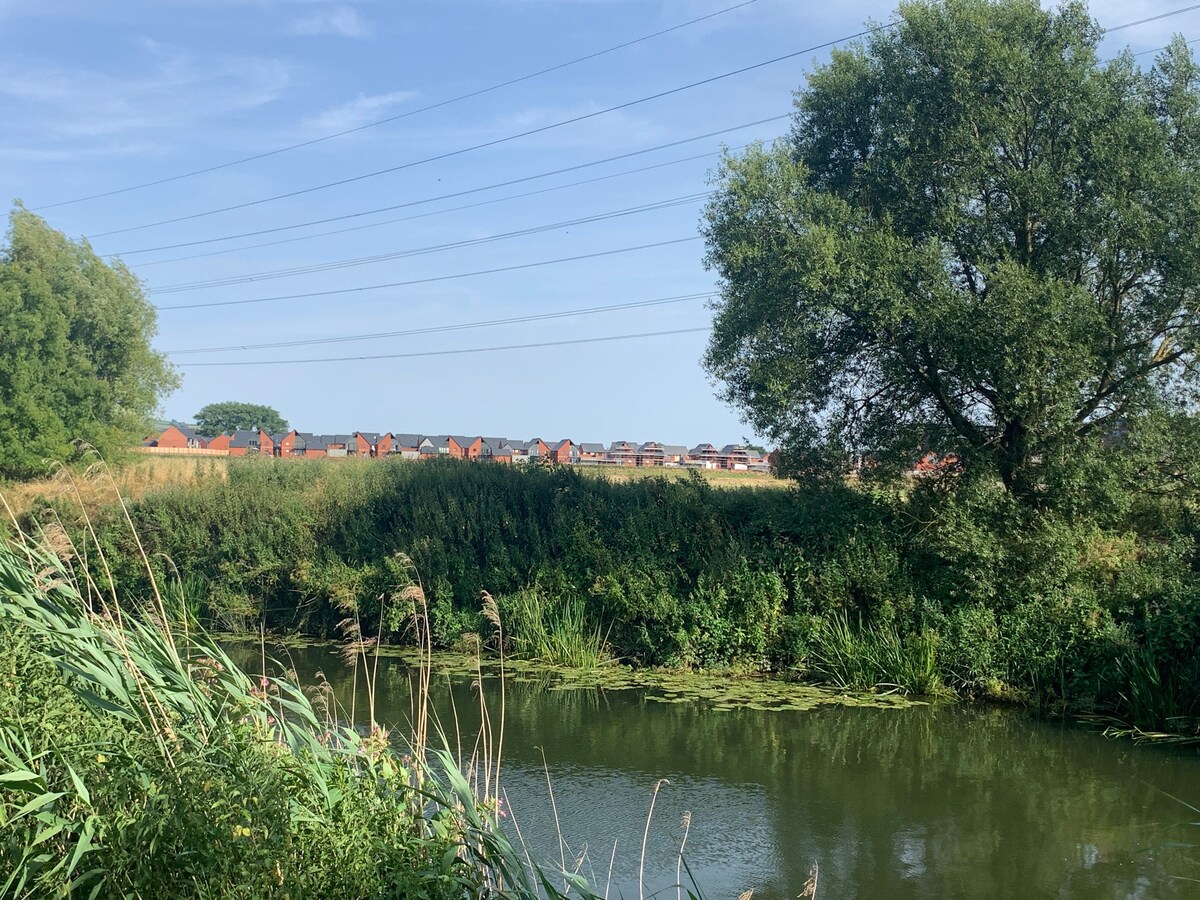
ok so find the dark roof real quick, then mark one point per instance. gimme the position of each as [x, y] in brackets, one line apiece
[438, 440]
[463, 441]
[651, 445]
[734, 448]
[243, 438]
[522, 446]
[562, 443]
[276, 438]
[406, 440]
[591, 448]
[189, 433]
[306, 440]
[344, 439]
[618, 444]
[371, 437]
[701, 448]
[496, 445]
[674, 450]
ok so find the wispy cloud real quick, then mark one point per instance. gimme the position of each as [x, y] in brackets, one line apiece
[336, 21]
[85, 110]
[356, 112]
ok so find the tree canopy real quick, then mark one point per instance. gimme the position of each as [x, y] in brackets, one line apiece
[75, 357]
[220, 418]
[978, 239]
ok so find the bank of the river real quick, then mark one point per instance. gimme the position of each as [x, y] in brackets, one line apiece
[889, 798]
[138, 760]
[912, 590]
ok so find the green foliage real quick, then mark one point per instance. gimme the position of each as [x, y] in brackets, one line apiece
[554, 631]
[970, 590]
[975, 241]
[137, 760]
[75, 356]
[230, 416]
[876, 657]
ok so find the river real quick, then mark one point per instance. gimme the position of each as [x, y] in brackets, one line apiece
[929, 801]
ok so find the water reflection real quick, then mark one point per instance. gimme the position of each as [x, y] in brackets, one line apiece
[914, 803]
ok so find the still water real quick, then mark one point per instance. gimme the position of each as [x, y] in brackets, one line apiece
[939, 801]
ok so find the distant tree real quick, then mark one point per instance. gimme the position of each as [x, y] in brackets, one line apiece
[978, 240]
[218, 418]
[75, 356]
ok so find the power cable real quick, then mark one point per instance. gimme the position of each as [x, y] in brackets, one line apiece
[376, 287]
[296, 271]
[435, 213]
[496, 141]
[425, 353]
[450, 196]
[396, 118]
[439, 329]
[553, 125]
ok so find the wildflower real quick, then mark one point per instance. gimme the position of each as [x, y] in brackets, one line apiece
[101, 758]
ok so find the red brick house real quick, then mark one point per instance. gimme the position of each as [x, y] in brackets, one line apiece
[650, 454]
[180, 437]
[406, 446]
[220, 442]
[285, 444]
[622, 453]
[366, 444]
[563, 452]
[591, 454]
[463, 447]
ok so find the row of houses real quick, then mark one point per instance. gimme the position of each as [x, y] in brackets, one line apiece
[367, 445]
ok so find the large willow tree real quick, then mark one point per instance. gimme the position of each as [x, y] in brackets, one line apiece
[979, 239]
[75, 357]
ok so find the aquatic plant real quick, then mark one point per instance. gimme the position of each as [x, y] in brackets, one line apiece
[139, 760]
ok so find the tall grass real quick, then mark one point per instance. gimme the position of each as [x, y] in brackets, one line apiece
[558, 632]
[138, 760]
[875, 657]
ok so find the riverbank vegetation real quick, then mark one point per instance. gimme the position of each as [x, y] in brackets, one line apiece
[915, 588]
[136, 759]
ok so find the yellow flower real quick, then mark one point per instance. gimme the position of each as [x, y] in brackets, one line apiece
[100, 758]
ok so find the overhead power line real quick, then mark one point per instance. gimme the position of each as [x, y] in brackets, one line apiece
[296, 271]
[439, 329]
[1148, 19]
[412, 112]
[392, 284]
[497, 141]
[436, 212]
[425, 353]
[564, 122]
[1161, 49]
[463, 193]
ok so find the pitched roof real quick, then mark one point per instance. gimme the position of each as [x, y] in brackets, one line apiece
[371, 437]
[243, 438]
[406, 440]
[674, 450]
[563, 443]
[591, 448]
[734, 448]
[701, 448]
[463, 441]
[651, 446]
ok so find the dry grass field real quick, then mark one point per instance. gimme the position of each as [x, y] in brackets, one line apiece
[137, 475]
[98, 484]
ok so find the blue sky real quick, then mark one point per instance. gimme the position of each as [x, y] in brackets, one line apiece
[101, 96]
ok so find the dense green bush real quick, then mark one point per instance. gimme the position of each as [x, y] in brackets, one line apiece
[966, 590]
